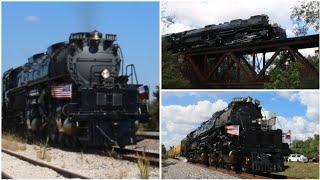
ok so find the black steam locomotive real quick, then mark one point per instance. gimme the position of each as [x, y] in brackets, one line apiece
[234, 32]
[74, 93]
[237, 137]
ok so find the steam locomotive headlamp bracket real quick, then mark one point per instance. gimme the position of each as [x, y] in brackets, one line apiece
[105, 73]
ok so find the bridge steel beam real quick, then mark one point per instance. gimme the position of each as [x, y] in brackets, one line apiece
[198, 59]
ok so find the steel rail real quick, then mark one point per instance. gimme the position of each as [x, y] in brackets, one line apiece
[141, 152]
[135, 154]
[135, 158]
[244, 175]
[65, 173]
[127, 154]
[5, 176]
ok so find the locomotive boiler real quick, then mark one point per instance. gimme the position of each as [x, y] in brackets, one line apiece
[77, 92]
[238, 31]
[238, 137]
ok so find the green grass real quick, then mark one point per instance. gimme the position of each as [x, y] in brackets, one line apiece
[301, 170]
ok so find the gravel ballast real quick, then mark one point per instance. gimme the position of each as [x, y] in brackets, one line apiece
[150, 145]
[90, 165]
[18, 169]
[180, 169]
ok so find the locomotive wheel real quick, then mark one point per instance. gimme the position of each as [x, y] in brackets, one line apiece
[210, 161]
[67, 141]
[221, 162]
[204, 159]
[51, 131]
[29, 136]
[244, 168]
[237, 167]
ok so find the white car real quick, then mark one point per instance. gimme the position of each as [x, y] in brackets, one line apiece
[297, 158]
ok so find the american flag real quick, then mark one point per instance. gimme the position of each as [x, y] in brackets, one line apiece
[232, 129]
[288, 135]
[143, 92]
[62, 91]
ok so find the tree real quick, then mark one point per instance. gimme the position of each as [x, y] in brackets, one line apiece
[305, 15]
[309, 81]
[163, 152]
[284, 76]
[309, 147]
[154, 111]
[166, 19]
[153, 106]
[172, 76]
[292, 75]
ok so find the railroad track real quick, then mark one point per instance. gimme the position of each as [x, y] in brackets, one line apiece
[63, 172]
[134, 155]
[5, 176]
[245, 175]
[128, 154]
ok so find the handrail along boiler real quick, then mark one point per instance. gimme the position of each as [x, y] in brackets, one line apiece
[75, 93]
[239, 137]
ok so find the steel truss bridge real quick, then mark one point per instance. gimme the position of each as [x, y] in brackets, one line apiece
[245, 73]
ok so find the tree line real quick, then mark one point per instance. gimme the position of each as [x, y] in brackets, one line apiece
[308, 147]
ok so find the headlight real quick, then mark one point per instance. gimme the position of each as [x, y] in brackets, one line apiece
[105, 73]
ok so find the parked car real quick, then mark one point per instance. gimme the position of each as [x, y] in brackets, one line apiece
[314, 159]
[297, 158]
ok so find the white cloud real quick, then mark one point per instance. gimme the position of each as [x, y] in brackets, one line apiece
[179, 120]
[192, 113]
[308, 51]
[32, 18]
[198, 14]
[184, 94]
[311, 100]
[306, 126]
[173, 141]
[176, 27]
[289, 32]
[308, 98]
[300, 127]
[292, 96]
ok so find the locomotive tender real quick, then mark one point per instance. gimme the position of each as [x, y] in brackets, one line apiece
[74, 93]
[238, 31]
[239, 137]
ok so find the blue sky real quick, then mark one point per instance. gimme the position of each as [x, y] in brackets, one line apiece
[184, 111]
[29, 28]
